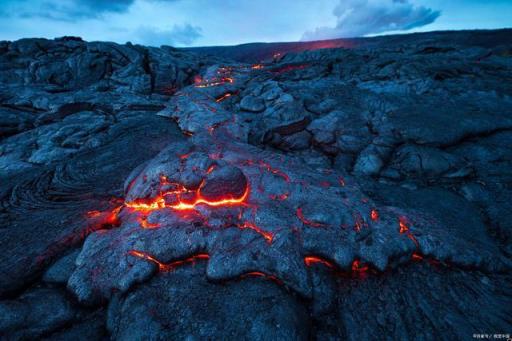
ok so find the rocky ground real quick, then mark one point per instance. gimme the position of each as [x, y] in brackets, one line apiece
[346, 193]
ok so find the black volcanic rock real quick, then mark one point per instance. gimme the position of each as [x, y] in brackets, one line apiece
[354, 192]
[253, 104]
[224, 182]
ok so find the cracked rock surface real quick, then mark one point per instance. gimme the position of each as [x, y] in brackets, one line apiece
[349, 193]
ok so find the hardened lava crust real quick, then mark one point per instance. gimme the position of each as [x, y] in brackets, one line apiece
[310, 193]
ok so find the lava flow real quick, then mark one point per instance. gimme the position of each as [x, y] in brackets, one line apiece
[181, 203]
[358, 267]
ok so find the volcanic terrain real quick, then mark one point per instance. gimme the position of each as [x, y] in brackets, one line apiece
[328, 190]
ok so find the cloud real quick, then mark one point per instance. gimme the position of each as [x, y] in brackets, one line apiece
[65, 10]
[182, 35]
[357, 18]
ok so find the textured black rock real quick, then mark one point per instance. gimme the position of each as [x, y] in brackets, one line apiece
[349, 193]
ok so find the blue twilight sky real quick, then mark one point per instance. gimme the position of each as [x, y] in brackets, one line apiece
[227, 22]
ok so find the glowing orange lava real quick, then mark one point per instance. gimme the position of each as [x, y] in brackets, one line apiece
[275, 171]
[341, 181]
[404, 228]
[357, 267]
[269, 237]
[223, 97]
[310, 260]
[288, 68]
[359, 222]
[215, 82]
[374, 215]
[168, 266]
[416, 257]
[301, 217]
[210, 169]
[147, 225]
[263, 275]
[279, 197]
[159, 202]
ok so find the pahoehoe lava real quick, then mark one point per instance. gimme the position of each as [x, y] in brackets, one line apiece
[308, 193]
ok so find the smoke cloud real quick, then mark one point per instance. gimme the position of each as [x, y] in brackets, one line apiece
[356, 18]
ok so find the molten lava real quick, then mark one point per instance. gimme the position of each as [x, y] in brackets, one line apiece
[269, 237]
[275, 171]
[301, 217]
[168, 266]
[215, 82]
[181, 204]
[263, 275]
[279, 197]
[223, 97]
[341, 181]
[358, 267]
[310, 260]
[416, 257]
[404, 229]
[374, 215]
[147, 225]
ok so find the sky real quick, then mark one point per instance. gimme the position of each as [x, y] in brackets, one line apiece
[228, 22]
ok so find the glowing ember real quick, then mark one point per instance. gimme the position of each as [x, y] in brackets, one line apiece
[325, 184]
[359, 223]
[249, 225]
[210, 169]
[374, 215]
[288, 68]
[275, 171]
[310, 260]
[416, 257]
[341, 182]
[301, 217]
[404, 228]
[93, 214]
[223, 97]
[279, 197]
[147, 225]
[215, 82]
[357, 267]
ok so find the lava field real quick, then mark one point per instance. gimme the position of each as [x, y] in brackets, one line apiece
[360, 191]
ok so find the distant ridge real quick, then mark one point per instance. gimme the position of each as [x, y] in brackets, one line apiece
[257, 52]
